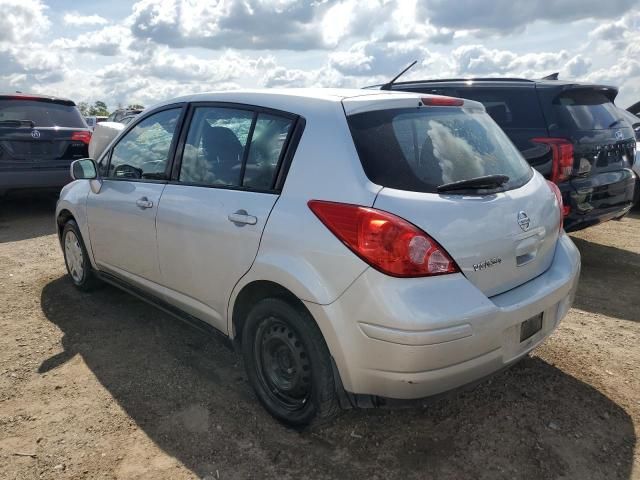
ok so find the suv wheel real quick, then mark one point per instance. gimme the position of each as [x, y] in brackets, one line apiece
[288, 363]
[76, 258]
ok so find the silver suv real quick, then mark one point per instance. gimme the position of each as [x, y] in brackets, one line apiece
[352, 244]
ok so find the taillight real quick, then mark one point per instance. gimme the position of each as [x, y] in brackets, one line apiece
[84, 137]
[556, 190]
[386, 242]
[441, 101]
[562, 151]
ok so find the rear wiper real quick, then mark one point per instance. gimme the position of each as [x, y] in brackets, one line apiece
[17, 123]
[616, 122]
[487, 181]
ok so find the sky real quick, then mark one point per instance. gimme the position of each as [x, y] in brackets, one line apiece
[125, 52]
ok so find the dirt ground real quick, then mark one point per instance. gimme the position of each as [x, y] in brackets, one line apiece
[102, 385]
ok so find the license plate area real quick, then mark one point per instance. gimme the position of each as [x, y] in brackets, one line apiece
[530, 327]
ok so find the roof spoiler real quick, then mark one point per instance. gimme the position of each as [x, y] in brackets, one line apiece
[608, 91]
[37, 98]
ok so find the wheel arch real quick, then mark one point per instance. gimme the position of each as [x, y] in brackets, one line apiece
[249, 295]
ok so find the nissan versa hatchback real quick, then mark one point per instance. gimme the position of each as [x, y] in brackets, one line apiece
[39, 138]
[353, 245]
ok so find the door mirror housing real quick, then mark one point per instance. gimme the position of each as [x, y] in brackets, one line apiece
[84, 169]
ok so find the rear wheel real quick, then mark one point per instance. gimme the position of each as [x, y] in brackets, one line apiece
[76, 258]
[288, 363]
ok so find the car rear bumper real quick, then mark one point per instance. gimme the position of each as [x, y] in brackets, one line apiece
[34, 178]
[598, 198]
[412, 338]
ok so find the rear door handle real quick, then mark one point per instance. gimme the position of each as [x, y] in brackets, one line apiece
[144, 202]
[241, 217]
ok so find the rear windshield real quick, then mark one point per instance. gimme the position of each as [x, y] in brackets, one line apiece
[42, 114]
[586, 110]
[421, 149]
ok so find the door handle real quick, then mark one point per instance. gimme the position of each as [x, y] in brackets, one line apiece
[241, 217]
[144, 202]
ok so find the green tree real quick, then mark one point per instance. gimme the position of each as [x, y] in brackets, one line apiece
[84, 108]
[135, 106]
[99, 108]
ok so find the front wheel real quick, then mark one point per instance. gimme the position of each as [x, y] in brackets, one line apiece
[76, 258]
[288, 363]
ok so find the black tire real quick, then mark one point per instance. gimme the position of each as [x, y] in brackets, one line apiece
[288, 363]
[87, 280]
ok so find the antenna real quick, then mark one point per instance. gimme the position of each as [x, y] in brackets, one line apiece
[388, 85]
[553, 76]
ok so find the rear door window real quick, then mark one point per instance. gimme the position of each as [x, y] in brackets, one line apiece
[586, 109]
[41, 113]
[421, 149]
[229, 147]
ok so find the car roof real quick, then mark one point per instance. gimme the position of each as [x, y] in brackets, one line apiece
[298, 94]
[295, 100]
[37, 97]
[497, 82]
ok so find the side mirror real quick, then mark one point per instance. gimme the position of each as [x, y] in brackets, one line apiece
[84, 169]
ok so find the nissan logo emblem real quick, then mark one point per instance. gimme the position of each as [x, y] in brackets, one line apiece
[35, 133]
[523, 221]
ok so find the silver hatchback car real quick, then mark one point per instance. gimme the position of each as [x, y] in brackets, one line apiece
[352, 244]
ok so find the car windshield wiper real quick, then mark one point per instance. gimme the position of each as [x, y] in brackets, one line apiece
[487, 181]
[615, 122]
[17, 123]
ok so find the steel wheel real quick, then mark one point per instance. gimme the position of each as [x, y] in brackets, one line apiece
[74, 256]
[283, 364]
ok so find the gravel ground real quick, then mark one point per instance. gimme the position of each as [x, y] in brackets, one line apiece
[102, 385]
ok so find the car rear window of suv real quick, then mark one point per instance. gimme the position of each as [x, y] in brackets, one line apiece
[421, 149]
[41, 113]
[586, 109]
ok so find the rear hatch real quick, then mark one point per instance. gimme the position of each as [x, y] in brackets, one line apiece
[601, 143]
[500, 235]
[40, 132]
[603, 138]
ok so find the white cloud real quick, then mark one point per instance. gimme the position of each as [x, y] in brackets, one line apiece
[77, 20]
[509, 15]
[22, 20]
[245, 24]
[163, 48]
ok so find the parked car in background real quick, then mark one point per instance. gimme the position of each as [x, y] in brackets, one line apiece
[635, 108]
[634, 121]
[570, 132]
[92, 121]
[39, 138]
[352, 244]
[121, 113]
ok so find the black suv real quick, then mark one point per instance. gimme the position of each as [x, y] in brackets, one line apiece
[570, 132]
[39, 138]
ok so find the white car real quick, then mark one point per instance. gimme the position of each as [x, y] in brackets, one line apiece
[352, 244]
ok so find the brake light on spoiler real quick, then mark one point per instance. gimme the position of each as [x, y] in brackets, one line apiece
[440, 101]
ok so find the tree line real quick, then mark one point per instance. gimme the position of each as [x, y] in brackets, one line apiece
[99, 109]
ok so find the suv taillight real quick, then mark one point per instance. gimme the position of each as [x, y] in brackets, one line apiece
[84, 137]
[388, 243]
[556, 190]
[562, 151]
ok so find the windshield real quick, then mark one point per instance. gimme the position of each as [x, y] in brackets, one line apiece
[42, 114]
[421, 149]
[585, 109]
